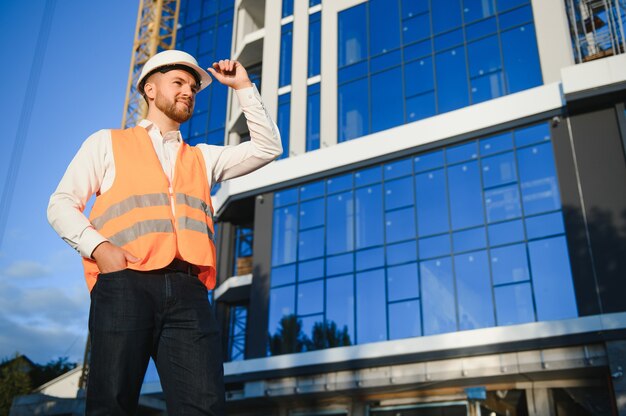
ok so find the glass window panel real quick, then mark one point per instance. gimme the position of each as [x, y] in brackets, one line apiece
[521, 58]
[313, 330]
[415, 29]
[352, 35]
[198, 125]
[387, 100]
[540, 191]
[532, 135]
[448, 40]
[385, 61]
[397, 169]
[201, 105]
[461, 153]
[473, 285]
[311, 244]
[402, 282]
[431, 201]
[283, 122]
[446, 14]
[371, 314]
[339, 183]
[340, 223]
[354, 71]
[311, 213]
[311, 190]
[193, 10]
[438, 299]
[514, 304]
[369, 216]
[385, 28]
[469, 240]
[509, 264]
[398, 193]
[412, 7]
[418, 76]
[284, 235]
[309, 270]
[481, 29]
[353, 110]
[401, 252]
[314, 2]
[484, 56]
[224, 37]
[418, 50]
[313, 118]
[286, 45]
[466, 205]
[452, 89]
[545, 225]
[499, 170]
[315, 37]
[368, 176]
[496, 144]
[190, 45]
[506, 232]
[210, 7]
[206, 42]
[283, 275]
[370, 258]
[477, 9]
[552, 279]
[516, 17]
[509, 4]
[420, 107]
[287, 8]
[216, 137]
[503, 203]
[428, 161]
[340, 307]
[285, 197]
[434, 246]
[341, 264]
[400, 225]
[405, 320]
[282, 304]
[311, 298]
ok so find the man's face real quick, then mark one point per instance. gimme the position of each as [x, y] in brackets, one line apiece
[175, 93]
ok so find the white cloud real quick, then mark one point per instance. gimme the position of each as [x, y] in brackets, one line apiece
[26, 268]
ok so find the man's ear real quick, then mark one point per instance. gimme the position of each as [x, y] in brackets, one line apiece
[149, 90]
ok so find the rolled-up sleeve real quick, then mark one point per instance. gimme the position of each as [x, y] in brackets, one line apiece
[227, 162]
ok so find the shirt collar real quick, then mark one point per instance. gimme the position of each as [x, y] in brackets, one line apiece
[152, 129]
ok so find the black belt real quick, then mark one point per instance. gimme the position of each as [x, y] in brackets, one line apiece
[182, 266]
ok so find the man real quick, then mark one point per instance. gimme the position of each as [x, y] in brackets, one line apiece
[147, 247]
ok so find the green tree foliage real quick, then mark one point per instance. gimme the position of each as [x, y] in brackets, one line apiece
[290, 338]
[41, 374]
[14, 381]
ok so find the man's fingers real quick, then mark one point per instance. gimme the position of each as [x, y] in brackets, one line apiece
[130, 258]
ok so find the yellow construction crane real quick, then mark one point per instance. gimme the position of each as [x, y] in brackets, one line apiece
[157, 22]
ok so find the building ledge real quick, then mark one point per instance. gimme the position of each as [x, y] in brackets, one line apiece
[234, 289]
[250, 51]
[594, 76]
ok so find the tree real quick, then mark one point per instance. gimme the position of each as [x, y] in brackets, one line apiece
[14, 381]
[41, 374]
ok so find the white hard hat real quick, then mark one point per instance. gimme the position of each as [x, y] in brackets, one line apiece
[176, 60]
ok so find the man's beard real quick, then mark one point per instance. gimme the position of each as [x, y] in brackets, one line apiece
[170, 109]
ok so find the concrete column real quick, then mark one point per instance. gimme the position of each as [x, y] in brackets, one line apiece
[271, 56]
[539, 402]
[616, 353]
[553, 38]
[299, 72]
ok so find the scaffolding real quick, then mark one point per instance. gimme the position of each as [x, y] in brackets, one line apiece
[597, 28]
[157, 23]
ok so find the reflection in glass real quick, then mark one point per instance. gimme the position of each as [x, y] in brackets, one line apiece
[370, 259]
[284, 235]
[402, 282]
[310, 298]
[340, 302]
[473, 286]
[514, 304]
[539, 185]
[438, 296]
[405, 319]
[506, 232]
[509, 264]
[452, 89]
[401, 252]
[386, 99]
[371, 315]
[353, 110]
[311, 213]
[545, 225]
[466, 206]
[431, 202]
[369, 216]
[310, 243]
[352, 35]
[340, 223]
[503, 203]
[385, 25]
[400, 225]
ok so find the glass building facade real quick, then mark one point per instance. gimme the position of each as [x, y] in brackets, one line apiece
[463, 237]
[402, 61]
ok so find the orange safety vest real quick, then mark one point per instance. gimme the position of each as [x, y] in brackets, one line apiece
[136, 212]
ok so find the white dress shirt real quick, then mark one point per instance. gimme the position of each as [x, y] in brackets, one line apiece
[93, 169]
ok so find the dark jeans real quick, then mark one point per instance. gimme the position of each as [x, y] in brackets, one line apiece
[166, 316]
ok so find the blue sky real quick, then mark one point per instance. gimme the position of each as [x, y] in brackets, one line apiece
[44, 301]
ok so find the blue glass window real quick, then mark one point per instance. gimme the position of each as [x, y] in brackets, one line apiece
[396, 195]
[401, 252]
[467, 240]
[286, 45]
[369, 216]
[341, 264]
[315, 43]
[353, 110]
[506, 232]
[312, 190]
[370, 258]
[432, 202]
[411, 8]
[283, 121]
[439, 303]
[340, 304]
[434, 246]
[545, 225]
[311, 214]
[405, 319]
[283, 275]
[416, 28]
[420, 106]
[478, 9]
[339, 183]
[400, 225]
[340, 223]
[387, 106]
[521, 58]
[540, 191]
[287, 8]
[402, 282]
[499, 170]
[352, 35]
[371, 311]
[446, 14]
[282, 303]
[474, 291]
[310, 270]
[310, 244]
[503, 203]
[311, 298]
[466, 205]
[452, 88]
[313, 118]
[514, 304]
[284, 236]
[419, 77]
[509, 264]
[386, 25]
